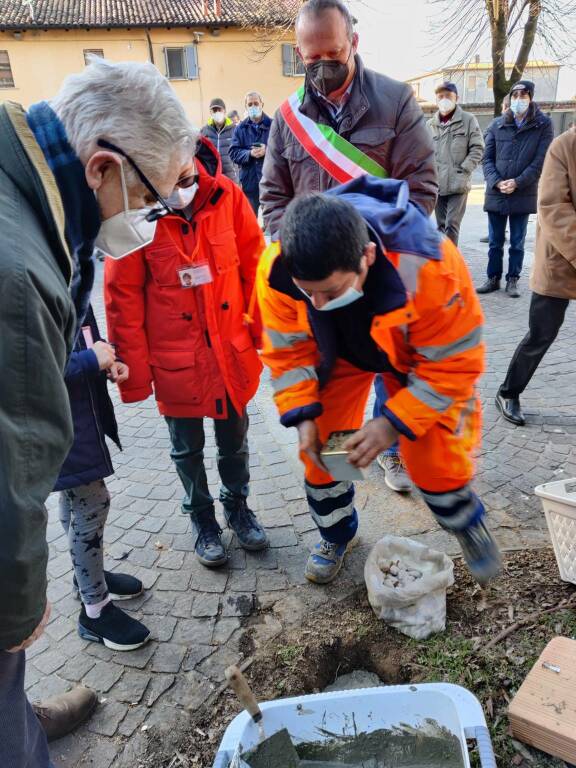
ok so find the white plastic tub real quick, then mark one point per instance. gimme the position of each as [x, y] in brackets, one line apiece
[559, 502]
[366, 709]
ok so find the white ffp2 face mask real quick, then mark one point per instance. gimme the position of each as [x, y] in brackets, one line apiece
[127, 231]
[446, 106]
[349, 296]
[182, 197]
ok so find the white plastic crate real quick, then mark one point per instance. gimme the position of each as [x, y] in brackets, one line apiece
[559, 502]
[307, 718]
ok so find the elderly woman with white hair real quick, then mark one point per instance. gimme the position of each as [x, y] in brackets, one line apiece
[92, 167]
[248, 147]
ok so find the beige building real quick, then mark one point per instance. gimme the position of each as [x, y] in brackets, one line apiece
[202, 46]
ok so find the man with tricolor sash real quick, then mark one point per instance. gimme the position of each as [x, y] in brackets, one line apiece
[344, 121]
[361, 283]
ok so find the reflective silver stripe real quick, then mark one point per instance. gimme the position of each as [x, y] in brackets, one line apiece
[295, 376]
[422, 391]
[448, 499]
[284, 340]
[332, 492]
[409, 267]
[469, 341]
[327, 521]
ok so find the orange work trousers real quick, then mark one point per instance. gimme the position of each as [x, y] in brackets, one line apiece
[439, 461]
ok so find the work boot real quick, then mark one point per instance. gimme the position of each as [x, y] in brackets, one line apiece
[511, 409]
[243, 522]
[120, 586]
[61, 714]
[113, 628]
[512, 287]
[395, 473]
[325, 561]
[480, 551]
[491, 285]
[208, 547]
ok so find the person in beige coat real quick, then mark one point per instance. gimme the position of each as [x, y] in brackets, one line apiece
[553, 279]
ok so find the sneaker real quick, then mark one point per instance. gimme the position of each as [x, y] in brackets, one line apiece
[480, 551]
[325, 561]
[492, 284]
[395, 473]
[208, 547]
[61, 714]
[243, 522]
[121, 586]
[512, 287]
[113, 628]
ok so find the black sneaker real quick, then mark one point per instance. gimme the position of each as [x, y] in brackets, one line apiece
[492, 284]
[480, 551]
[114, 629]
[121, 586]
[243, 522]
[208, 547]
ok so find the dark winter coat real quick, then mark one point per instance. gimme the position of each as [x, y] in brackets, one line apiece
[222, 140]
[92, 414]
[247, 134]
[516, 153]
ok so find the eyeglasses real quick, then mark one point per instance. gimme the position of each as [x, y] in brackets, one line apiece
[155, 213]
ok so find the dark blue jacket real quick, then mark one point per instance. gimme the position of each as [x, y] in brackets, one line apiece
[92, 414]
[247, 134]
[516, 153]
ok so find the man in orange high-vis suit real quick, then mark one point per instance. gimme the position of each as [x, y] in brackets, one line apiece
[360, 284]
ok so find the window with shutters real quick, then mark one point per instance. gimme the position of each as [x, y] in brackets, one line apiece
[92, 52]
[6, 79]
[292, 64]
[181, 63]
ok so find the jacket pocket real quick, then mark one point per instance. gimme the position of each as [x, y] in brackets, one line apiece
[376, 142]
[224, 251]
[176, 378]
[243, 362]
[163, 265]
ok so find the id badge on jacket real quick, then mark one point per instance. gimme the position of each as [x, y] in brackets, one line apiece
[191, 277]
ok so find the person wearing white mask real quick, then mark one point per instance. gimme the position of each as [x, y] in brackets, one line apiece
[182, 315]
[249, 147]
[516, 145]
[61, 192]
[458, 148]
[220, 130]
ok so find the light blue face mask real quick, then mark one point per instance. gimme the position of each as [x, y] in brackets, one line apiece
[349, 296]
[254, 112]
[519, 106]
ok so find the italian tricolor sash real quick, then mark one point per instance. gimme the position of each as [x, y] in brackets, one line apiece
[341, 159]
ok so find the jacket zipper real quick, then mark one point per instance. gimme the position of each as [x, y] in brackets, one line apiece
[100, 436]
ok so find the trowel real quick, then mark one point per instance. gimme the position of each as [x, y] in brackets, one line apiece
[275, 751]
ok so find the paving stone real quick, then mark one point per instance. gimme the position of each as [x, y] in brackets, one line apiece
[205, 605]
[133, 720]
[237, 604]
[151, 524]
[214, 666]
[191, 631]
[168, 658]
[161, 627]
[206, 580]
[145, 557]
[102, 676]
[77, 667]
[136, 538]
[182, 607]
[282, 537]
[48, 687]
[242, 582]
[224, 630]
[196, 654]
[127, 520]
[49, 661]
[107, 718]
[33, 676]
[159, 684]
[174, 581]
[171, 560]
[271, 582]
[139, 491]
[267, 559]
[138, 658]
[130, 688]
[190, 691]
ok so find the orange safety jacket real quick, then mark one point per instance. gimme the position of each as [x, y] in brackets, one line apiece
[434, 338]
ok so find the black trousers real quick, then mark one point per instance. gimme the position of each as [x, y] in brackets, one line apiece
[545, 320]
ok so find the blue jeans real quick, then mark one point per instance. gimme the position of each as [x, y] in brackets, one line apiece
[22, 740]
[381, 397]
[496, 234]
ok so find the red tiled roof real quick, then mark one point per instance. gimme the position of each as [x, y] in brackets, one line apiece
[65, 14]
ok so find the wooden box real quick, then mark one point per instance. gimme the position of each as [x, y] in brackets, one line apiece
[543, 712]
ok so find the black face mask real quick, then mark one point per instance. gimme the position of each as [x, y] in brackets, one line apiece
[327, 75]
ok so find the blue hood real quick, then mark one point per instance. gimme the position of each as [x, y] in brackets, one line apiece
[397, 223]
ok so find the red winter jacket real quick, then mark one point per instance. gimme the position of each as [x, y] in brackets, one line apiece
[192, 346]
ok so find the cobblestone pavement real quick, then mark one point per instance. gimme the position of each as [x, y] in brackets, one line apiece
[199, 618]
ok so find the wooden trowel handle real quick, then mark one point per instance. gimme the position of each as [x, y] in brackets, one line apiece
[239, 685]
